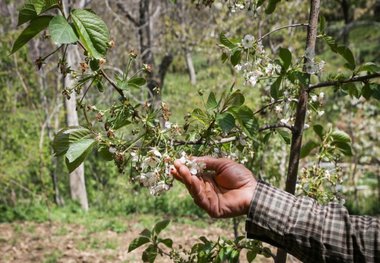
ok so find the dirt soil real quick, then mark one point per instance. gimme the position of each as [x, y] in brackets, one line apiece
[63, 242]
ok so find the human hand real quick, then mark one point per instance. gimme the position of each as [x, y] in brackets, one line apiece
[225, 191]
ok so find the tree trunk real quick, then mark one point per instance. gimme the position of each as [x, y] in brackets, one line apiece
[297, 132]
[77, 180]
[190, 67]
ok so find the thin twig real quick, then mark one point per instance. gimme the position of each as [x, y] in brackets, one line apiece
[280, 28]
[276, 126]
[267, 106]
[113, 84]
[338, 82]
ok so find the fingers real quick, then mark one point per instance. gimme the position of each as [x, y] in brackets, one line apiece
[212, 163]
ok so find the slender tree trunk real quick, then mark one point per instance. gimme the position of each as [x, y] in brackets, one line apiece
[77, 180]
[190, 67]
[297, 133]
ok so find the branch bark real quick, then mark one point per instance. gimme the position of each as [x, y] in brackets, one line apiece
[338, 82]
[295, 148]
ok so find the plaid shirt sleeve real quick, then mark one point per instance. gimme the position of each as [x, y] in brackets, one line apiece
[309, 231]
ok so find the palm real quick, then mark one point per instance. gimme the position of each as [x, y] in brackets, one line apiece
[224, 192]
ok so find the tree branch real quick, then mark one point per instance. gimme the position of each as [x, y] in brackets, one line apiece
[280, 28]
[276, 126]
[127, 14]
[350, 80]
[113, 84]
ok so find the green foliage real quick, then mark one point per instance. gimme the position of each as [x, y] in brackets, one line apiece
[37, 25]
[75, 143]
[93, 32]
[61, 31]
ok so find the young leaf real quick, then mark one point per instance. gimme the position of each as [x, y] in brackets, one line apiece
[93, 32]
[136, 82]
[77, 149]
[76, 162]
[69, 136]
[308, 147]
[248, 122]
[318, 129]
[36, 26]
[369, 67]
[251, 255]
[226, 121]
[236, 57]
[211, 101]
[149, 254]
[26, 14]
[286, 58]
[138, 242]
[347, 54]
[225, 41]
[284, 135]
[343, 147]
[275, 88]
[61, 31]
[160, 226]
[236, 99]
[167, 242]
[271, 6]
[42, 6]
[340, 136]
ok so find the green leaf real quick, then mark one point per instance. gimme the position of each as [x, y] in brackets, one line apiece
[343, 147]
[136, 82]
[138, 242]
[236, 99]
[271, 6]
[226, 121]
[105, 154]
[93, 32]
[36, 26]
[251, 255]
[367, 91]
[236, 57]
[211, 101]
[286, 58]
[275, 88]
[284, 135]
[244, 115]
[146, 233]
[160, 226]
[340, 136]
[322, 25]
[369, 67]
[225, 41]
[224, 57]
[167, 242]
[68, 136]
[347, 54]
[42, 6]
[267, 252]
[200, 115]
[61, 31]
[27, 13]
[318, 129]
[149, 254]
[76, 149]
[308, 147]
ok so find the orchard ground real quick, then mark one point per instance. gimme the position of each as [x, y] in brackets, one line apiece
[95, 239]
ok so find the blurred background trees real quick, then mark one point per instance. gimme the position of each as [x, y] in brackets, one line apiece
[180, 41]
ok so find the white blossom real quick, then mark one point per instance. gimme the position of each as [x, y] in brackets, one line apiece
[159, 188]
[238, 67]
[320, 113]
[247, 41]
[112, 149]
[168, 125]
[314, 98]
[321, 97]
[278, 109]
[284, 121]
